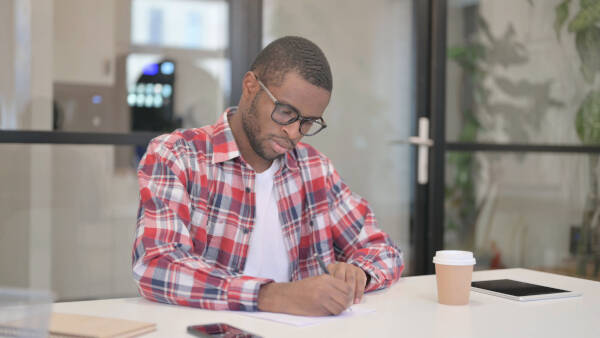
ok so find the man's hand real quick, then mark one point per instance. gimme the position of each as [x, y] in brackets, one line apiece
[314, 296]
[351, 274]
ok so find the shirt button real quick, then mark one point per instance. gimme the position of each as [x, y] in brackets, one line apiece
[248, 189]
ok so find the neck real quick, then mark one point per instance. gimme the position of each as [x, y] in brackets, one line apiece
[257, 163]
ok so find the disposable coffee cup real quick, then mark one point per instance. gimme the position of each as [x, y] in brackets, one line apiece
[453, 271]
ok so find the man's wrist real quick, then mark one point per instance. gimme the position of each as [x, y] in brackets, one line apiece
[368, 277]
[267, 297]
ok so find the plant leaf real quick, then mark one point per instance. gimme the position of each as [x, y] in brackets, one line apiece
[467, 56]
[485, 28]
[585, 18]
[587, 43]
[587, 120]
[588, 74]
[586, 3]
[562, 13]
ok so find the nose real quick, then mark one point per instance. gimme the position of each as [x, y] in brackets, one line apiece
[293, 131]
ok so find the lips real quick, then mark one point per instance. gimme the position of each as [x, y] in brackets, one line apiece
[280, 146]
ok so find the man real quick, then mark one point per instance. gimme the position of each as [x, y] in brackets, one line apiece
[236, 215]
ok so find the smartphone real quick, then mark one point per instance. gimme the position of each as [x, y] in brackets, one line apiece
[219, 330]
[520, 291]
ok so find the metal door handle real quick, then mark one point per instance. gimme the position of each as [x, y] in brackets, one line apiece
[418, 141]
[423, 142]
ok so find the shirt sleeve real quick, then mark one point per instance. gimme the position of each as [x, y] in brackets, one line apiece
[357, 238]
[166, 266]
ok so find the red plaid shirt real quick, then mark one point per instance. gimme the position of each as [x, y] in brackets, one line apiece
[197, 210]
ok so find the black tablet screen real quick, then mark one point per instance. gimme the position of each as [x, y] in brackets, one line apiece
[515, 288]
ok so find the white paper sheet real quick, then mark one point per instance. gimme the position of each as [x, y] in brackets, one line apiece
[354, 310]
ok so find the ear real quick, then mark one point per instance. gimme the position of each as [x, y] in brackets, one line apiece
[249, 85]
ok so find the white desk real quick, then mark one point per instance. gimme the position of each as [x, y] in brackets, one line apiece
[408, 309]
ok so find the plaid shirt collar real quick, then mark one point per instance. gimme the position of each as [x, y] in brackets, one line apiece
[225, 148]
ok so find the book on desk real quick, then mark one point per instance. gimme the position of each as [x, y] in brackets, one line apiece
[73, 325]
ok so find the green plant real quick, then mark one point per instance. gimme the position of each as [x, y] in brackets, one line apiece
[461, 204]
[584, 25]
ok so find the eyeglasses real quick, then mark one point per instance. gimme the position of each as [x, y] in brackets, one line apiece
[284, 114]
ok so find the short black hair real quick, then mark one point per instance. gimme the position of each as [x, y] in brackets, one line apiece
[293, 53]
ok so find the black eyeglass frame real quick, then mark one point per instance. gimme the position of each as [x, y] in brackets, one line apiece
[319, 120]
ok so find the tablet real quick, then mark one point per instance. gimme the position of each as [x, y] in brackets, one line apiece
[520, 291]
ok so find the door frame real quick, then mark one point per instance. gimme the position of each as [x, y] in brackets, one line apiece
[427, 220]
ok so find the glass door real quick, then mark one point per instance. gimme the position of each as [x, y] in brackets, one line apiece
[521, 145]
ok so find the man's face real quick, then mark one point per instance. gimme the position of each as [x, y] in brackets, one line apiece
[270, 140]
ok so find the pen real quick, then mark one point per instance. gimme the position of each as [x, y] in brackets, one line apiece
[321, 263]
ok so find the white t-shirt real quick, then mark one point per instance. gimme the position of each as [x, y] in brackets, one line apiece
[267, 256]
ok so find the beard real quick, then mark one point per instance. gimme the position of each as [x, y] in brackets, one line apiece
[253, 130]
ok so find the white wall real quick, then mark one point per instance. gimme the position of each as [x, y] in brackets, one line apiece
[84, 41]
[14, 224]
[7, 58]
[93, 214]
[370, 49]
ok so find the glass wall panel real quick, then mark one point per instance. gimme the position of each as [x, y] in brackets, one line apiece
[113, 66]
[68, 219]
[369, 45]
[180, 23]
[529, 210]
[523, 72]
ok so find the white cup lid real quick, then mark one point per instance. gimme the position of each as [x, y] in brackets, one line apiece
[454, 257]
